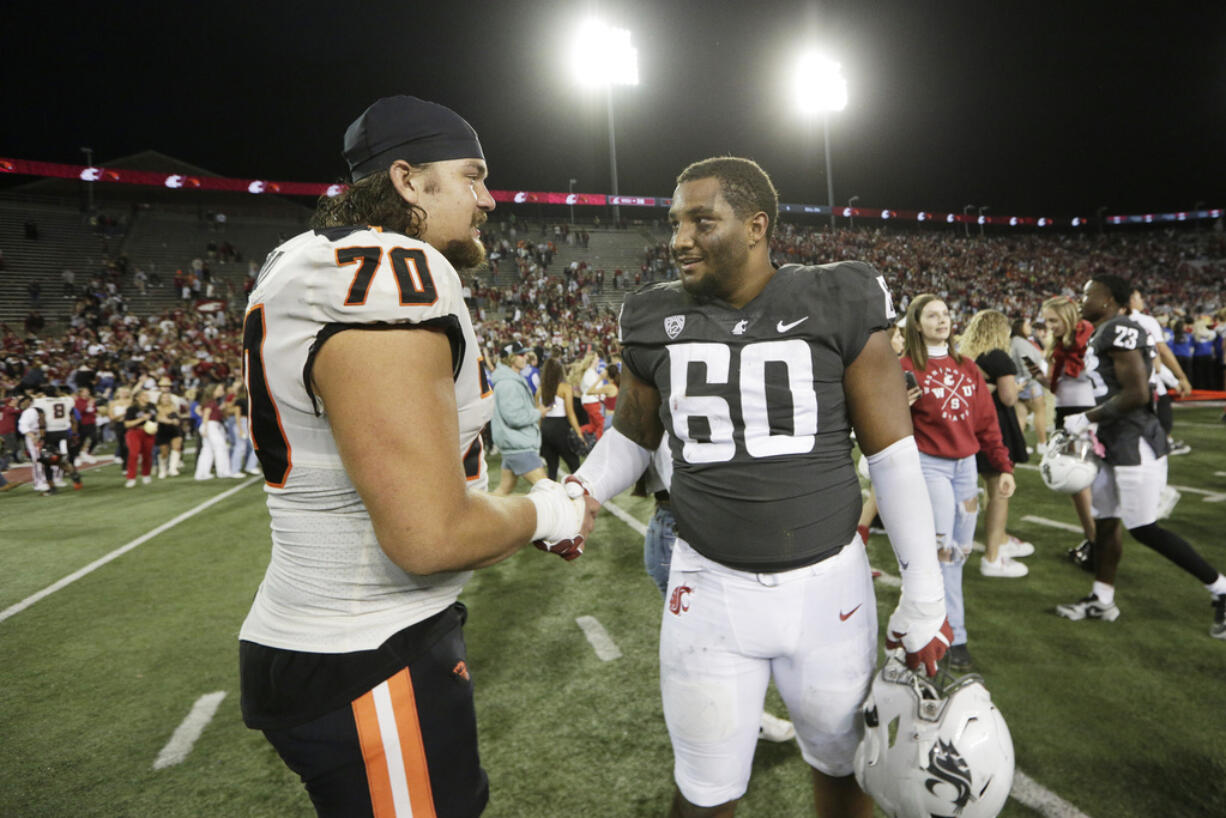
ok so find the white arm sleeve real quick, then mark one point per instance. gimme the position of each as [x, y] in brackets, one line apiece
[613, 465]
[902, 502]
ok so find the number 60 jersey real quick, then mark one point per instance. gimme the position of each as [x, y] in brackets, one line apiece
[752, 400]
[329, 587]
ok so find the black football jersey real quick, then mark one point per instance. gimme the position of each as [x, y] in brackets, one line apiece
[752, 400]
[1120, 437]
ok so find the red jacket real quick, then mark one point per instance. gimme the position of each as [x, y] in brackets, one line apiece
[955, 417]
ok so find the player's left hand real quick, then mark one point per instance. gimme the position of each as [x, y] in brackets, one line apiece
[922, 631]
[1076, 424]
[571, 548]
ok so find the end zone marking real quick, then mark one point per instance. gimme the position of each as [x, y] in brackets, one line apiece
[598, 637]
[185, 735]
[13, 610]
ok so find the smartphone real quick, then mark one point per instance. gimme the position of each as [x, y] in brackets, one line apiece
[909, 377]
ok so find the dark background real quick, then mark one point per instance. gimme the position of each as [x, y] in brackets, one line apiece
[1031, 108]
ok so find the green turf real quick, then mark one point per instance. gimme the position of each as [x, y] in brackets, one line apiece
[1120, 719]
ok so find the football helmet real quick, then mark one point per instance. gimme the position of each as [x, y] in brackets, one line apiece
[1069, 464]
[933, 748]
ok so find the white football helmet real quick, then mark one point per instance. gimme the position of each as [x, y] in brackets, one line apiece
[1069, 464]
[932, 750]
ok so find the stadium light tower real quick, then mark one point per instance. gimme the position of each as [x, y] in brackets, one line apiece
[820, 88]
[601, 57]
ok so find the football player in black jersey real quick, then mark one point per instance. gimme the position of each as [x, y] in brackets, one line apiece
[1133, 474]
[759, 374]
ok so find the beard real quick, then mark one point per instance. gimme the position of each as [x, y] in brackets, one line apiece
[722, 260]
[464, 254]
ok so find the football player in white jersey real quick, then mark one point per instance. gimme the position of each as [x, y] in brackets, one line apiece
[758, 375]
[367, 400]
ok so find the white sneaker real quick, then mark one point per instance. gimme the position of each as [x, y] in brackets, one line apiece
[1167, 501]
[773, 728]
[1089, 608]
[146, 479]
[1003, 567]
[129, 484]
[1013, 548]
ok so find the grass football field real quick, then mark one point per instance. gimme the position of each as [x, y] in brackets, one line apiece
[1108, 719]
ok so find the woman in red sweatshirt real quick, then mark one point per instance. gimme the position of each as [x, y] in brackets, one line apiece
[954, 418]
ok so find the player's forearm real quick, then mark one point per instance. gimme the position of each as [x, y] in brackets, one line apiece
[902, 503]
[613, 465]
[481, 529]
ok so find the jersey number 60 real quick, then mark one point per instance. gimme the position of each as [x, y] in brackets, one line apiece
[794, 354]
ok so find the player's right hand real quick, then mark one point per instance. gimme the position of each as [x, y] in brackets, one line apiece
[922, 631]
[564, 517]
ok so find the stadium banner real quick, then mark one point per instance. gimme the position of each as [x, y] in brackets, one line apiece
[259, 186]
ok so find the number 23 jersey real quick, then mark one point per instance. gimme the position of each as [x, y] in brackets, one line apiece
[1122, 437]
[329, 587]
[753, 402]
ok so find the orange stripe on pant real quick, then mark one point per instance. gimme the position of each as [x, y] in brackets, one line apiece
[412, 749]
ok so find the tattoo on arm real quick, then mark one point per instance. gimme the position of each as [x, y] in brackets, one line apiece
[637, 415]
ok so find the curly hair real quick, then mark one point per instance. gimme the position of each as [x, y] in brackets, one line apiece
[987, 330]
[745, 185]
[372, 201]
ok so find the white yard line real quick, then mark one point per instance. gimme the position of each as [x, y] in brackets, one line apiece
[1034, 795]
[626, 517]
[1030, 518]
[606, 649]
[13, 610]
[185, 734]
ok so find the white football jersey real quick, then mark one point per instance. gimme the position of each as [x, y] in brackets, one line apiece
[58, 413]
[329, 587]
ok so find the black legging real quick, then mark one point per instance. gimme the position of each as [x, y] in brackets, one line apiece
[554, 444]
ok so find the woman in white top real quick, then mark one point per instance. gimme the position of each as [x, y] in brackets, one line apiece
[1031, 399]
[1068, 381]
[558, 397]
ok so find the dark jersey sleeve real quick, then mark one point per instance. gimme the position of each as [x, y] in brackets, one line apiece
[863, 302]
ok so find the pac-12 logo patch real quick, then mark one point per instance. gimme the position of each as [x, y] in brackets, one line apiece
[673, 325]
[679, 601]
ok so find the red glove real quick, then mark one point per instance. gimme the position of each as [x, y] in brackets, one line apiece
[914, 628]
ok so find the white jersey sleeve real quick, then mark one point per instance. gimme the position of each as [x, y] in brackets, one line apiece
[1154, 332]
[329, 586]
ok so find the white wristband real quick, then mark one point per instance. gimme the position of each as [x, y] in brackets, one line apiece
[558, 516]
[902, 502]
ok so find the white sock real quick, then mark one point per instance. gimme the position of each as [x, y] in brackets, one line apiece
[1218, 586]
[1104, 592]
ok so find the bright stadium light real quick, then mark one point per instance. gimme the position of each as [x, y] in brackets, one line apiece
[819, 88]
[819, 85]
[602, 56]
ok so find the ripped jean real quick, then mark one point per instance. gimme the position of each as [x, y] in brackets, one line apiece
[951, 483]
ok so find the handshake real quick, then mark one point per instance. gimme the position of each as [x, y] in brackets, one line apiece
[565, 514]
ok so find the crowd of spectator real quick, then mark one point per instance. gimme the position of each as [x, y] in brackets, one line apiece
[553, 312]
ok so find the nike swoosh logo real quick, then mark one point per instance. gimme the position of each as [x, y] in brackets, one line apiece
[782, 327]
[843, 617]
[905, 565]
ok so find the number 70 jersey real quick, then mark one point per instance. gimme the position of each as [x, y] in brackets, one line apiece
[753, 402]
[323, 282]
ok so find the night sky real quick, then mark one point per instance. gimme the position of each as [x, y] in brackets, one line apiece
[1029, 108]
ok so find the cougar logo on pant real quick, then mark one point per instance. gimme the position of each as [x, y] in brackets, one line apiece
[678, 602]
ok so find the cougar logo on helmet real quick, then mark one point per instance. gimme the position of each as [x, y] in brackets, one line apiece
[948, 766]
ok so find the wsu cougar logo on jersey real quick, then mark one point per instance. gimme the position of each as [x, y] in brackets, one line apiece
[679, 601]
